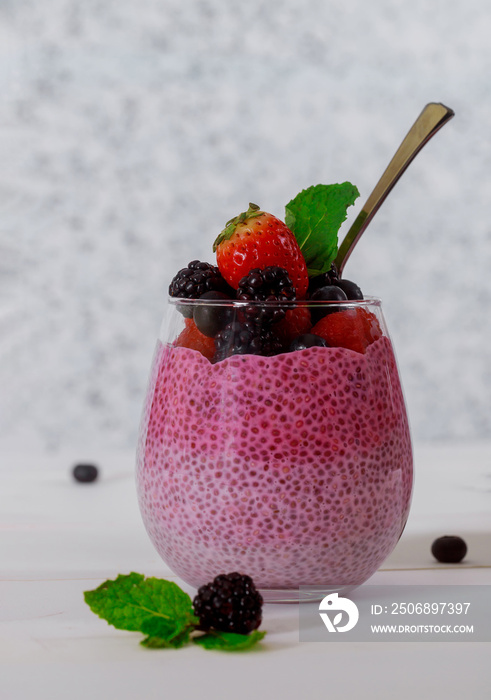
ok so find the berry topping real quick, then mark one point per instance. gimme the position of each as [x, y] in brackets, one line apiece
[256, 239]
[245, 338]
[354, 329]
[351, 289]
[192, 338]
[230, 603]
[85, 473]
[271, 284]
[307, 340]
[449, 549]
[194, 280]
[211, 318]
[296, 322]
[329, 293]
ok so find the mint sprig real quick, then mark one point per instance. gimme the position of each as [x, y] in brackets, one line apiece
[164, 635]
[229, 641]
[315, 216]
[162, 611]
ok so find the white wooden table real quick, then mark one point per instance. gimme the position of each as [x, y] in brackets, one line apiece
[59, 538]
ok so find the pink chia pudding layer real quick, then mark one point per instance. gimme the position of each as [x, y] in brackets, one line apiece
[295, 469]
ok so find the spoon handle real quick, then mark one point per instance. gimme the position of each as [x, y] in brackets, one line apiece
[431, 120]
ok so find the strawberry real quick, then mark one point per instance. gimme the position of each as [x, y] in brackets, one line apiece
[354, 329]
[256, 239]
[192, 338]
[296, 322]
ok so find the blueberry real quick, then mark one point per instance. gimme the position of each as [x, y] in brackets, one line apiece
[211, 318]
[351, 289]
[307, 340]
[324, 279]
[85, 473]
[328, 293]
[449, 549]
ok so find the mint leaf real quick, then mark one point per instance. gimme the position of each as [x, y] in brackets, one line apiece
[315, 216]
[162, 634]
[229, 641]
[131, 602]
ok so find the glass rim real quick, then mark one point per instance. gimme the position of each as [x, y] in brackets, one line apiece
[287, 303]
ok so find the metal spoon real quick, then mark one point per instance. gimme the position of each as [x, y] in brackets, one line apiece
[431, 120]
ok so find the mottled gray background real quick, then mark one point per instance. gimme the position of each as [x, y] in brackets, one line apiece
[131, 131]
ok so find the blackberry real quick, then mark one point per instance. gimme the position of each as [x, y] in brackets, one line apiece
[324, 280]
[242, 337]
[194, 280]
[270, 284]
[449, 549]
[230, 603]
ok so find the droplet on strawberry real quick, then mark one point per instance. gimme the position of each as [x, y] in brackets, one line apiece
[354, 329]
[296, 322]
[193, 339]
[256, 239]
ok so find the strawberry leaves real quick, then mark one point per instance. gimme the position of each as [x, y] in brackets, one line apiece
[315, 216]
[253, 212]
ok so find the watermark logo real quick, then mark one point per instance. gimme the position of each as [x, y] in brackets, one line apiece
[332, 603]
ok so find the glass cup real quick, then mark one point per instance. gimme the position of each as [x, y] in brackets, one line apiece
[294, 468]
